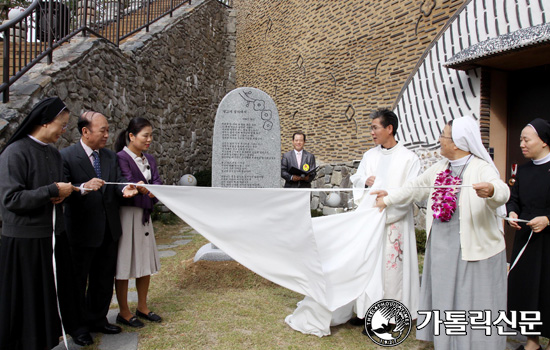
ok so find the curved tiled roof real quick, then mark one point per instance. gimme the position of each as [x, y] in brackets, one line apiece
[514, 41]
[435, 93]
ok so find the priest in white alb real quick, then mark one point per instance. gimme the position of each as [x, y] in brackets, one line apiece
[389, 165]
[375, 250]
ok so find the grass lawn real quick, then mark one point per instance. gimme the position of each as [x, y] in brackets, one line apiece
[223, 305]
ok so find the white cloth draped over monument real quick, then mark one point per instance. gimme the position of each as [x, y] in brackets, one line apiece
[332, 260]
[357, 254]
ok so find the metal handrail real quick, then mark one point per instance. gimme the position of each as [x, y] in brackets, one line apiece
[21, 53]
[228, 3]
[51, 23]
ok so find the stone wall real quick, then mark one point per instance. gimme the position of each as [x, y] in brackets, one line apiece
[175, 75]
[334, 176]
[327, 65]
[338, 176]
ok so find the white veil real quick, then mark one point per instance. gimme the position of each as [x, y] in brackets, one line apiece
[467, 137]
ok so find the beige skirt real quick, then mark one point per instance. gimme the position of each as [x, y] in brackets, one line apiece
[137, 249]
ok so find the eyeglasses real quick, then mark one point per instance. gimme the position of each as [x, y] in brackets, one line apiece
[63, 125]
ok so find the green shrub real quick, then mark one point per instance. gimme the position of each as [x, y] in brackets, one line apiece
[204, 178]
[316, 212]
[168, 218]
[420, 240]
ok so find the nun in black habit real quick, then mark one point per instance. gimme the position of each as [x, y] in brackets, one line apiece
[529, 277]
[31, 189]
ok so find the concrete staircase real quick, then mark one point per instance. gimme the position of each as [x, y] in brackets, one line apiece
[23, 52]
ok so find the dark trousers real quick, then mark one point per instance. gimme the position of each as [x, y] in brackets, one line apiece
[297, 184]
[95, 268]
[66, 288]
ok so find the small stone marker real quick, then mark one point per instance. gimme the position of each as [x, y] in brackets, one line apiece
[246, 150]
[187, 180]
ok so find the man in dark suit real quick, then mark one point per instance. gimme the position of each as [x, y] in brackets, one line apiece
[298, 158]
[92, 218]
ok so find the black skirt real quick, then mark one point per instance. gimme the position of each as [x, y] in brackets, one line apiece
[29, 316]
[529, 280]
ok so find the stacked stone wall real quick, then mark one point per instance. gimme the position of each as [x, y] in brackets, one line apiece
[334, 176]
[337, 175]
[327, 65]
[175, 75]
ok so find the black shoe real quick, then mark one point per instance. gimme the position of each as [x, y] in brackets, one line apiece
[365, 332]
[151, 316]
[356, 321]
[83, 339]
[107, 328]
[132, 322]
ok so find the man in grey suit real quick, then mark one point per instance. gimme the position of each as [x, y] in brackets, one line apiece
[300, 159]
[92, 218]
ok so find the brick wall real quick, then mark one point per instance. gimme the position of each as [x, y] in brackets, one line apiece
[327, 65]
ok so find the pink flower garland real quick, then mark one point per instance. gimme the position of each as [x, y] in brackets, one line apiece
[444, 199]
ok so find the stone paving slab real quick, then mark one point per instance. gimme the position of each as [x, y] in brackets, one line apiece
[166, 253]
[185, 235]
[182, 241]
[122, 341]
[132, 297]
[70, 343]
[189, 231]
[166, 246]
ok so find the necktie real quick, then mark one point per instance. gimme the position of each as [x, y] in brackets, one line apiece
[299, 158]
[97, 165]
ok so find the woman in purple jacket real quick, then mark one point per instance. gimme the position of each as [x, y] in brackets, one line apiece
[137, 250]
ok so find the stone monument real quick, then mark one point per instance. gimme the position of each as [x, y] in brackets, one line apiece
[246, 150]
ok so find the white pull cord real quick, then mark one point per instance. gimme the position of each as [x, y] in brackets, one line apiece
[54, 265]
[286, 189]
[523, 248]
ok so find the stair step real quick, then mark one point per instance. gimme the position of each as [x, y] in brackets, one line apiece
[138, 17]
